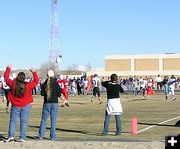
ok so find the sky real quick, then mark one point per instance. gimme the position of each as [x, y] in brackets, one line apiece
[89, 30]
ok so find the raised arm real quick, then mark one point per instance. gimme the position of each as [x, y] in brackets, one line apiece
[121, 90]
[6, 75]
[35, 78]
[104, 83]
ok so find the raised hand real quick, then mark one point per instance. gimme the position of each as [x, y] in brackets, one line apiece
[10, 66]
[32, 70]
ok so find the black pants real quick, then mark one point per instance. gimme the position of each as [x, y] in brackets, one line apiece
[159, 85]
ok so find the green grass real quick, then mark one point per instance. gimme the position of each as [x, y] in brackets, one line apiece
[83, 120]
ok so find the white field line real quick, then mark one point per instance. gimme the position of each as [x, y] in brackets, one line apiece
[158, 123]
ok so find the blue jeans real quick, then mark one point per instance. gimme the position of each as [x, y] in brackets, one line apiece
[166, 89]
[106, 124]
[135, 91]
[52, 109]
[23, 113]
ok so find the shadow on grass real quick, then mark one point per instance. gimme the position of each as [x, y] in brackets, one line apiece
[75, 131]
[77, 103]
[143, 99]
[37, 138]
[162, 125]
[2, 137]
[69, 130]
[138, 99]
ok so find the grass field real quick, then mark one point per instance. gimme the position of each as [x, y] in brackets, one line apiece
[83, 120]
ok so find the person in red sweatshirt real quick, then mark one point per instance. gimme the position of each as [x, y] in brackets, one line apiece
[20, 96]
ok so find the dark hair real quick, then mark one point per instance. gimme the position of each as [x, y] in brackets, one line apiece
[173, 77]
[95, 75]
[114, 77]
[20, 85]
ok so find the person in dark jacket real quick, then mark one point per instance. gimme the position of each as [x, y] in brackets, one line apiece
[113, 106]
[51, 91]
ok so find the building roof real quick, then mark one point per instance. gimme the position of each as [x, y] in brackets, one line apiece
[143, 56]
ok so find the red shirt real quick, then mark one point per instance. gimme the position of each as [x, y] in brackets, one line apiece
[27, 98]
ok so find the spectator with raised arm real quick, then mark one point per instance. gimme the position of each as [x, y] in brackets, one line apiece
[20, 96]
[113, 106]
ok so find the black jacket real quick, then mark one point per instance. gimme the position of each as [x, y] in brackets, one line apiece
[55, 91]
[113, 89]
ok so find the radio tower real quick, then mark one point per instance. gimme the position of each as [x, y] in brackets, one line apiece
[54, 53]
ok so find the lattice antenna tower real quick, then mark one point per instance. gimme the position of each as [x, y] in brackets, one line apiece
[54, 52]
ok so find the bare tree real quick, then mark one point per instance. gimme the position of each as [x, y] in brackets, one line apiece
[74, 66]
[88, 67]
[47, 66]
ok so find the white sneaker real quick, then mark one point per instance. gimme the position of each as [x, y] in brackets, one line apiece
[21, 140]
[174, 99]
[40, 138]
[9, 140]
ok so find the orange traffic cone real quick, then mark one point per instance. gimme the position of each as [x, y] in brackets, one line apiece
[134, 125]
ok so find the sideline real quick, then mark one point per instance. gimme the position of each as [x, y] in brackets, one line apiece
[178, 117]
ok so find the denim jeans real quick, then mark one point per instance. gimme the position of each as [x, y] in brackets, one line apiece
[106, 124]
[135, 91]
[52, 110]
[166, 89]
[23, 113]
